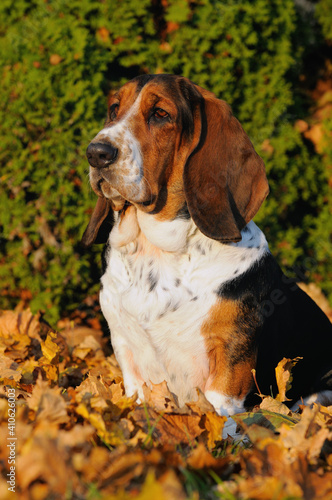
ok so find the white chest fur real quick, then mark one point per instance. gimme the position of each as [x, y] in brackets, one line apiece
[160, 282]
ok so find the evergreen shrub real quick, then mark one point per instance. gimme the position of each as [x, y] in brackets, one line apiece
[60, 59]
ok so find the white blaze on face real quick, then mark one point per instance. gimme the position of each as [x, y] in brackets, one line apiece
[126, 174]
[121, 137]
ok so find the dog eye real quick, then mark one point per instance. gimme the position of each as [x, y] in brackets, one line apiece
[114, 111]
[160, 113]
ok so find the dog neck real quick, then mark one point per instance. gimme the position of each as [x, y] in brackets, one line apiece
[137, 234]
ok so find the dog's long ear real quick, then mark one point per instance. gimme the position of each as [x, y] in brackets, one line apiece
[224, 178]
[100, 224]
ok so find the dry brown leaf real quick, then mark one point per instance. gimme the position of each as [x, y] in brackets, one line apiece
[114, 366]
[94, 390]
[159, 397]
[22, 323]
[77, 436]
[284, 377]
[5, 494]
[90, 439]
[51, 372]
[76, 336]
[48, 404]
[200, 458]
[166, 487]
[262, 488]
[306, 437]
[171, 428]
[106, 399]
[214, 425]
[324, 416]
[201, 404]
[126, 427]
[3, 413]
[89, 344]
[49, 348]
[9, 369]
[139, 438]
[92, 469]
[28, 367]
[321, 485]
[274, 405]
[171, 486]
[105, 367]
[117, 392]
[123, 466]
[175, 428]
[42, 459]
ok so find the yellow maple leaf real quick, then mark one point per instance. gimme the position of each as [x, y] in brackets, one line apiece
[284, 377]
[152, 488]
[51, 372]
[214, 425]
[49, 348]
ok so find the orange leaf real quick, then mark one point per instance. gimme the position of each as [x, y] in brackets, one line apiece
[9, 369]
[200, 458]
[201, 404]
[159, 397]
[22, 323]
[49, 348]
[214, 425]
[48, 403]
[55, 59]
[103, 34]
[171, 428]
[284, 377]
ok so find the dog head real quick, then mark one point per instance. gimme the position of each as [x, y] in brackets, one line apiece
[169, 144]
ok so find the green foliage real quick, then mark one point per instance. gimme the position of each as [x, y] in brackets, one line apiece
[59, 60]
[324, 15]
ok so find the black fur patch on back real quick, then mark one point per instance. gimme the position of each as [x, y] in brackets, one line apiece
[256, 281]
[288, 325]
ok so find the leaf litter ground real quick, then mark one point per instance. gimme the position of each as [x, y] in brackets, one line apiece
[79, 437]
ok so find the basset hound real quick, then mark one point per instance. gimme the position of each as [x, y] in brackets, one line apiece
[190, 290]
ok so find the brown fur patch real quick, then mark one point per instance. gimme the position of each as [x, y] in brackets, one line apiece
[229, 333]
[198, 154]
[175, 189]
[224, 180]
[125, 97]
[165, 146]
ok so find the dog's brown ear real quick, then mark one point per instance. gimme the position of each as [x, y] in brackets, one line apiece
[100, 224]
[224, 178]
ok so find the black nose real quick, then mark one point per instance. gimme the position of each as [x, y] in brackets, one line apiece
[101, 155]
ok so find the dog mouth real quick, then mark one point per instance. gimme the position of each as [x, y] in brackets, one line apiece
[104, 190]
[121, 189]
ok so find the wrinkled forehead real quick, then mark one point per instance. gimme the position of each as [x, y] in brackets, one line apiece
[150, 90]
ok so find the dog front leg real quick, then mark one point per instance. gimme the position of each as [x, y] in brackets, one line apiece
[132, 379]
[227, 387]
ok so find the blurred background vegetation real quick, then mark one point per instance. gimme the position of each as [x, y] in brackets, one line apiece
[269, 59]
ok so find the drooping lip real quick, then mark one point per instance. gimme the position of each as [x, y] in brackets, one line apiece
[109, 193]
[131, 188]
